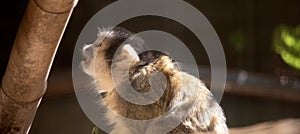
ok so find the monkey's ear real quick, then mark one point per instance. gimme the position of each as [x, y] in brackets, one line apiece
[124, 58]
[137, 43]
[128, 53]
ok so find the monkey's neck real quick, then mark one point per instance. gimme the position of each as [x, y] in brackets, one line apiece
[102, 74]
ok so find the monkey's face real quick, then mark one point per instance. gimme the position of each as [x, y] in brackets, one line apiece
[96, 61]
[94, 56]
[98, 56]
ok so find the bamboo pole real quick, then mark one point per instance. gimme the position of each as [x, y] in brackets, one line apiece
[25, 79]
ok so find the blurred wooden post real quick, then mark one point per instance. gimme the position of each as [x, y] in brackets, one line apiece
[25, 79]
[285, 126]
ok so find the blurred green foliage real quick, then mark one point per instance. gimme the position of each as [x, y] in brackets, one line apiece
[95, 130]
[238, 41]
[286, 42]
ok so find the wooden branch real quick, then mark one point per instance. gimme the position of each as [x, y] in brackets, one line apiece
[263, 92]
[25, 79]
[286, 126]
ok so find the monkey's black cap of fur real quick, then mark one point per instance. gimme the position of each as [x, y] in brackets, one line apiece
[122, 36]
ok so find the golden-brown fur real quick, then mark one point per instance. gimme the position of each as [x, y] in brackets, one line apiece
[183, 92]
[205, 114]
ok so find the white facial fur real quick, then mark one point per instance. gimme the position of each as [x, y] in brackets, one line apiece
[95, 64]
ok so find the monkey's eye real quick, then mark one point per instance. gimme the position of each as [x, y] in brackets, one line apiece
[98, 45]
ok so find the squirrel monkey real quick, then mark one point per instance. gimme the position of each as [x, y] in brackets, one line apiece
[182, 90]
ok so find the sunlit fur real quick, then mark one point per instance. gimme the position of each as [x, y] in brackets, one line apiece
[182, 91]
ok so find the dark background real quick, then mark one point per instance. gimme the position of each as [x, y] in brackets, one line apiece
[245, 29]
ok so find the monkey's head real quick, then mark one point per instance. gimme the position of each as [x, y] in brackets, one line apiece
[98, 55]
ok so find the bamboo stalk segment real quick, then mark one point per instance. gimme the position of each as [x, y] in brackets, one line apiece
[25, 79]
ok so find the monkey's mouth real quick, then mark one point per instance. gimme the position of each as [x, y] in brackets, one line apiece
[87, 64]
[88, 52]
